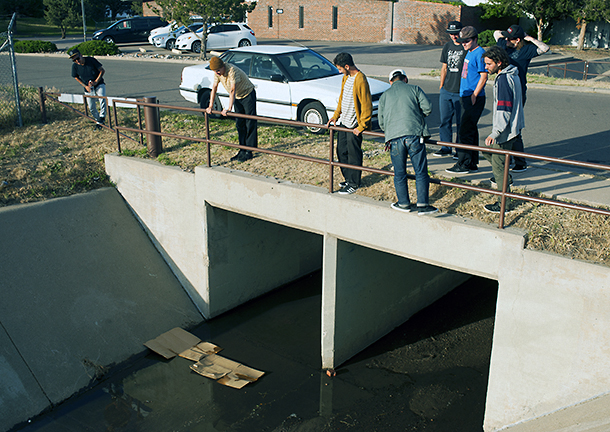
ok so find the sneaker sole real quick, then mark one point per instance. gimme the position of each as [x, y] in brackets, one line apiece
[426, 212]
[407, 210]
[519, 170]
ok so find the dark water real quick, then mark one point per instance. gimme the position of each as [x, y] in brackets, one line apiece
[430, 374]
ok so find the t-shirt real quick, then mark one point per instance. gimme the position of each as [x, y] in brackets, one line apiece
[348, 110]
[471, 72]
[87, 72]
[233, 74]
[453, 56]
[520, 58]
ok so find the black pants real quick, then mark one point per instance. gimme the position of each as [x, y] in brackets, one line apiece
[247, 130]
[349, 151]
[469, 130]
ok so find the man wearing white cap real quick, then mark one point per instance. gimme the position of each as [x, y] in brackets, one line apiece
[401, 115]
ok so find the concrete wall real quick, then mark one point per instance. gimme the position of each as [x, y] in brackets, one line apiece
[551, 346]
[82, 289]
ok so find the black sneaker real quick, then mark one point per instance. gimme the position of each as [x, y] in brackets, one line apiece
[473, 169]
[247, 155]
[457, 169]
[347, 190]
[519, 168]
[442, 153]
[493, 182]
[426, 210]
[238, 156]
[102, 120]
[408, 208]
[343, 184]
[492, 208]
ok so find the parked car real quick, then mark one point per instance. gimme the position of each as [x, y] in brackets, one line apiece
[293, 83]
[167, 39]
[220, 36]
[136, 29]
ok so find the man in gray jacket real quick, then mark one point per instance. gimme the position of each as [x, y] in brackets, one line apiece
[401, 113]
[508, 119]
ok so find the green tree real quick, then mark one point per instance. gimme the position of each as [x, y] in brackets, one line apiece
[136, 7]
[210, 11]
[116, 7]
[544, 12]
[63, 14]
[586, 11]
[30, 8]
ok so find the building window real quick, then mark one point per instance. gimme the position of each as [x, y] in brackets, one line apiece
[270, 16]
[300, 16]
[335, 11]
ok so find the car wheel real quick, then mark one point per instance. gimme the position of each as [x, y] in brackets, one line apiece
[244, 42]
[314, 112]
[108, 39]
[171, 44]
[204, 102]
[196, 47]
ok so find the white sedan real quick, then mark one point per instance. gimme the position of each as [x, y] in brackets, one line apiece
[293, 83]
[220, 36]
[167, 38]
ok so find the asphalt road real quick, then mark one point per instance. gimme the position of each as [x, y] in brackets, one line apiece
[559, 122]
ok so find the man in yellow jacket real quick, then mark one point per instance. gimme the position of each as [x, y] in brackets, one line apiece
[354, 112]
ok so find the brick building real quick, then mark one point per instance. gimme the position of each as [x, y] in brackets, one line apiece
[402, 21]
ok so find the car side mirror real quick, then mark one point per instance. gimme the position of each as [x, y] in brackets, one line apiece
[277, 78]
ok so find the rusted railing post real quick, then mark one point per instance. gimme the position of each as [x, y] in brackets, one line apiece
[151, 118]
[504, 188]
[116, 122]
[330, 160]
[207, 137]
[43, 108]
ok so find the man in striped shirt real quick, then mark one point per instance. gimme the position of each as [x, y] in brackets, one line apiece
[354, 112]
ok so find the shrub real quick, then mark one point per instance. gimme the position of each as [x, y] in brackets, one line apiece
[96, 48]
[486, 38]
[34, 46]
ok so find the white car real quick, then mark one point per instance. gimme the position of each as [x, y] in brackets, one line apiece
[292, 83]
[167, 39]
[220, 36]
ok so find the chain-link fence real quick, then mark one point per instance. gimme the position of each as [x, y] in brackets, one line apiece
[10, 107]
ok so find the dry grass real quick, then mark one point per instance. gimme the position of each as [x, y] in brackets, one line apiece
[65, 157]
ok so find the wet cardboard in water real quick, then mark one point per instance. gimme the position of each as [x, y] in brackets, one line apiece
[208, 364]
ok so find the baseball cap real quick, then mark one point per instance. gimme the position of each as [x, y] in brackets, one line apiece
[466, 33]
[515, 31]
[454, 27]
[73, 53]
[395, 73]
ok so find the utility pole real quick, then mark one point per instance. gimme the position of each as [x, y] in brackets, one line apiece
[82, 5]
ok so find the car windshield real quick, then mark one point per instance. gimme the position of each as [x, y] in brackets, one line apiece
[306, 65]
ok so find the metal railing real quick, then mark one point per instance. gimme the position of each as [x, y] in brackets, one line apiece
[563, 66]
[504, 194]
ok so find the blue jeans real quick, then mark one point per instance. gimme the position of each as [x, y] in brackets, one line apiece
[412, 146]
[100, 90]
[450, 106]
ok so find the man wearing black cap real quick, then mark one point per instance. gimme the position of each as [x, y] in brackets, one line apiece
[521, 49]
[472, 93]
[89, 72]
[452, 60]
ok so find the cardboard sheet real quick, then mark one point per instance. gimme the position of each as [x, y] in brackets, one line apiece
[227, 372]
[208, 363]
[173, 342]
